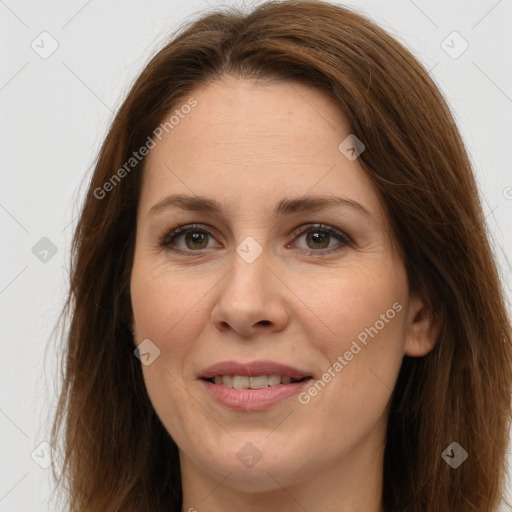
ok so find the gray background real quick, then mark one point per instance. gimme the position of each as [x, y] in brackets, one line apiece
[55, 110]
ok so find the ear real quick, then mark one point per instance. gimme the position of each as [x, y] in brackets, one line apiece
[422, 329]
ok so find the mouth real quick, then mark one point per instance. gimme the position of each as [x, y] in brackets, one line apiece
[248, 399]
[253, 382]
[253, 386]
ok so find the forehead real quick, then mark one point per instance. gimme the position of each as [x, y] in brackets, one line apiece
[257, 121]
[253, 141]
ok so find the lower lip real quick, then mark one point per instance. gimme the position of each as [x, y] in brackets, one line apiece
[253, 399]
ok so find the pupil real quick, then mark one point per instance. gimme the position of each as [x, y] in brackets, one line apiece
[197, 237]
[315, 235]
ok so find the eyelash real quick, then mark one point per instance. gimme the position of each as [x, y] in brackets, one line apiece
[170, 235]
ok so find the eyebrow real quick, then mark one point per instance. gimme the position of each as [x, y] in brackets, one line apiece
[286, 206]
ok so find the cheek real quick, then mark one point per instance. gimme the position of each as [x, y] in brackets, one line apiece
[363, 354]
[164, 303]
[165, 308]
[366, 351]
[363, 317]
[353, 304]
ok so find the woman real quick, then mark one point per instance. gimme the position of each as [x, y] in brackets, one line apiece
[282, 292]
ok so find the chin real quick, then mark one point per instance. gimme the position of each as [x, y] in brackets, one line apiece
[264, 476]
[274, 469]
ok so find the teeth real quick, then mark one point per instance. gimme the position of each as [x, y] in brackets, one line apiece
[240, 382]
[257, 382]
[227, 380]
[274, 380]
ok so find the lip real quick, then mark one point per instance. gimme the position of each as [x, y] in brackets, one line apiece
[252, 369]
[252, 399]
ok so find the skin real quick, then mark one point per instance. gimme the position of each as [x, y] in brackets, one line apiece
[248, 145]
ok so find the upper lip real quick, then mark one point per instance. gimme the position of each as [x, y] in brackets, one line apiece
[252, 369]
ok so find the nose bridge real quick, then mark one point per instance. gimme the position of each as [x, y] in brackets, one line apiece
[249, 273]
[250, 293]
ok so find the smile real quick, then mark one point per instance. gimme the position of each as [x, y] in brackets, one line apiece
[256, 382]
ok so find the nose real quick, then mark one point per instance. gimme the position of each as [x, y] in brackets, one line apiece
[252, 299]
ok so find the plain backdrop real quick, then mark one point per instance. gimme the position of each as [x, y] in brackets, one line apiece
[65, 68]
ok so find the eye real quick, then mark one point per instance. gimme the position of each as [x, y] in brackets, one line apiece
[318, 237]
[193, 235]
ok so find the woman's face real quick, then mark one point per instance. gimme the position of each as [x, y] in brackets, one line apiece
[245, 285]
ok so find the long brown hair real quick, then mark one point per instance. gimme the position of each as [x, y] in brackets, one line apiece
[117, 456]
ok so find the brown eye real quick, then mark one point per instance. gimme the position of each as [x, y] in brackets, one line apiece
[318, 238]
[195, 238]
